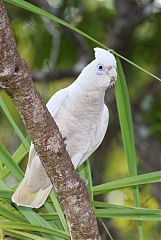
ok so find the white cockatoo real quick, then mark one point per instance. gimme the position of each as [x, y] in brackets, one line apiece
[82, 118]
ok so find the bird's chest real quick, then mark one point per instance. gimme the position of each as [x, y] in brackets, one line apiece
[78, 127]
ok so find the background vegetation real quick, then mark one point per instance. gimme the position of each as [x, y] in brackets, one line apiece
[56, 55]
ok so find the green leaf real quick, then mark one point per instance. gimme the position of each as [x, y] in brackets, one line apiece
[23, 235]
[49, 216]
[17, 157]
[59, 210]
[128, 182]
[106, 229]
[5, 194]
[55, 221]
[113, 209]
[33, 228]
[124, 112]
[9, 214]
[14, 125]
[132, 213]
[85, 173]
[35, 219]
[7, 159]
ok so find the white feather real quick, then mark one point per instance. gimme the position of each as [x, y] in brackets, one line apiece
[105, 56]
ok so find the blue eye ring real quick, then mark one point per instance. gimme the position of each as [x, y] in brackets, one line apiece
[100, 69]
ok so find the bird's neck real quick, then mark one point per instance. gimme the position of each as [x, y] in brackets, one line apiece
[90, 99]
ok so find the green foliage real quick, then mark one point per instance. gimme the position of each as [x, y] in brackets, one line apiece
[14, 125]
[105, 210]
[124, 111]
[8, 161]
[49, 222]
[128, 182]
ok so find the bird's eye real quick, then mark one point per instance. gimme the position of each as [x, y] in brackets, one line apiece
[100, 69]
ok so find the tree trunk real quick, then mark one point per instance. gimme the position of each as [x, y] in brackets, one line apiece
[15, 78]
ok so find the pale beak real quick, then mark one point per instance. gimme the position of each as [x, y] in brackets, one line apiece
[111, 72]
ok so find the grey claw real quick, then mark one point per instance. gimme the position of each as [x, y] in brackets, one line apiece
[86, 181]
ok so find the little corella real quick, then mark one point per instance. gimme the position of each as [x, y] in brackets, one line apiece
[82, 118]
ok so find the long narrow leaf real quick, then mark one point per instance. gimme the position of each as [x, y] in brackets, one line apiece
[17, 157]
[33, 228]
[124, 112]
[106, 229]
[49, 216]
[7, 213]
[131, 214]
[55, 222]
[59, 210]
[23, 235]
[10, 118]
[116, 211]
[6, 194]
[106, 205]
[128, 182]
[7, 159]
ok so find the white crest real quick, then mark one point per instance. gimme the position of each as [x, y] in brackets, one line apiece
[103, 55]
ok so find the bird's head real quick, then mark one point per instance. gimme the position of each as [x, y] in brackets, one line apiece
[101, 72]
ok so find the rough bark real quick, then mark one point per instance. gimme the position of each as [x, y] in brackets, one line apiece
[15, 78]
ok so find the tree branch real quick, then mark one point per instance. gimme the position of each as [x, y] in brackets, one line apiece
[54, 74]
[15, 77]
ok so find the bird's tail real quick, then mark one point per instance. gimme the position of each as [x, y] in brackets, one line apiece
[24, 197]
